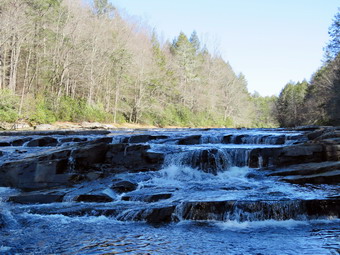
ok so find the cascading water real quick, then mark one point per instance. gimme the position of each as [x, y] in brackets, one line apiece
[205, 189]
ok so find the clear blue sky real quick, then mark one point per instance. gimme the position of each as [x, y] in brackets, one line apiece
[270, 41]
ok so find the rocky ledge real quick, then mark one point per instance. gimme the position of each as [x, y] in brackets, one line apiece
[46, 165]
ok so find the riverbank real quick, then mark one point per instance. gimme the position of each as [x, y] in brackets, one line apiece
[61, 125]
[25, 126]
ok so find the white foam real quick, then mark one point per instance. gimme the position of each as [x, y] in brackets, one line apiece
[236, 225]
[7, 191]
[5, 248]
[62, 219]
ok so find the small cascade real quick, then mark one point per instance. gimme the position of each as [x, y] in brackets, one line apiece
[218, 177]
[154, 215]
[260, 161]
[210, 160]
[69, 197]
[207, 160]
[238, 157]
[128, 215]
[117, 139]
[71, 164]
[26, 142]
[255, 139]
[241, 211]
[211, 139]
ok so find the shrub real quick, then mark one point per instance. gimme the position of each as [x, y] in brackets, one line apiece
[40, 111]
[8, 106]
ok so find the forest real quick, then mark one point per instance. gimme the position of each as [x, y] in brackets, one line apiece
[68, 60]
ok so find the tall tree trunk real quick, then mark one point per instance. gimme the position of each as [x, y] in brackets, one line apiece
[28, 60]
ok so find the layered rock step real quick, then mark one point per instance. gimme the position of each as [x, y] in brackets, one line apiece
[228, 210]
[68, 159]
[52, 168]
[260, 210]
[316, 173]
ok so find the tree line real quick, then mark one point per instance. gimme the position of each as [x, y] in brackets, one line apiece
[70, 60]
[316, 102]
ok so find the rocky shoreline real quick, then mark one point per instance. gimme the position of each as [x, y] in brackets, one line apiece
[26, 126]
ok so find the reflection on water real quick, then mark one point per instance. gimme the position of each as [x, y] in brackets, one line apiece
[36, 234]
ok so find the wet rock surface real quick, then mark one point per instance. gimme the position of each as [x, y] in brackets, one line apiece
[36, 198]
[260, 210]
[162, 176]
[122, 186]
[147, 198]
[134, 154]
[329, 177]
[102, 198]
[43, 142]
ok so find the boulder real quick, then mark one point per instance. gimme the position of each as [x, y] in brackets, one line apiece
[96, 125]
[136, 139]
[43, 142]
[86, 155]
[277, 139]
[190, 140]
[301, 150]
[54, 167]
[4, 144]
[123, 186]
[142, 138]
[315, 134]
[285, 156]
[44, 127]
[94, 175]
[33, 174]
[160, 215]
[306, 169]
[153, 215]
[96, 198]
[6, 126]
[310, 128]
[328, 134]
[147, 198]
[20, 141]
[227, 139]
[133, 158]
[73, 140]
[331, 177]
[238, 139]
[13, 140]
[54, 132]
[21, 126]
[36, 198]
[320, 208]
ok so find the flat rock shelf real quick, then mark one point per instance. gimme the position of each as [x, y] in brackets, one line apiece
[170, 191]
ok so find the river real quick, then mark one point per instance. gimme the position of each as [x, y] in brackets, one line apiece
[207, 196]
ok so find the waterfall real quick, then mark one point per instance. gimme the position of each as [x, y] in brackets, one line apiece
[241, 211]
[210, 160]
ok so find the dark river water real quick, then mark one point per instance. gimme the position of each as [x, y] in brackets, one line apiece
[40, 229]
[37, 234]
